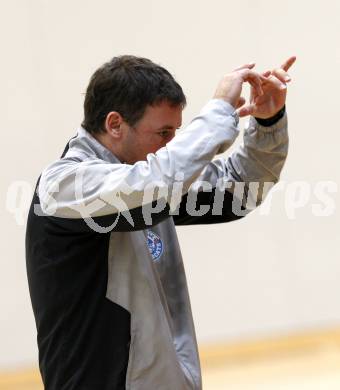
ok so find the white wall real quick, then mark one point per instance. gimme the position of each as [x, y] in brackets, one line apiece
[249, 278]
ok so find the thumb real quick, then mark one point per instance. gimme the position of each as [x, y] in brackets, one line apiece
[246, 110]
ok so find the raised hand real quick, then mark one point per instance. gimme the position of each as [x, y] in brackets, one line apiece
[230, 87]
[273, 98]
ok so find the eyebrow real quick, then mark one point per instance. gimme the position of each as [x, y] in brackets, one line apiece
[167, 127]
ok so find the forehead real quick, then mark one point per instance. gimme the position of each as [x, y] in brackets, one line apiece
[162, 115]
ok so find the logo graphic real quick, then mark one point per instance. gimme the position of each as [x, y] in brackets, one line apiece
[155, 245]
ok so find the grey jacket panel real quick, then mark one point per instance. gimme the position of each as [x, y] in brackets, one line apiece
[163, 352]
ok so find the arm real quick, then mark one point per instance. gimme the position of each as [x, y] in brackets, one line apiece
[259, 159]
[240, 183]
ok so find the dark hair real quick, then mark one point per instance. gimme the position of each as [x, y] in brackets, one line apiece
[128, 84]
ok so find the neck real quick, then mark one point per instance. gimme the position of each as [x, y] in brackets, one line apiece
[108, 143]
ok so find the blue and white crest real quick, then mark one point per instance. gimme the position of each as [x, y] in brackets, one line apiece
[155, 245]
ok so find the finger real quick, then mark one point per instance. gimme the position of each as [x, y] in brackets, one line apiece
[254, 79]
[287, 64]
[246, 110]
[241, 102]
[246, 66]
[281, 75]
[273, 81]
[267, 73]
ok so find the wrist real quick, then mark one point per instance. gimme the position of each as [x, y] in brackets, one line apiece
[273, 119]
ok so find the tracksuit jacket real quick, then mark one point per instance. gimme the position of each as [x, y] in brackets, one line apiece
[105, 271]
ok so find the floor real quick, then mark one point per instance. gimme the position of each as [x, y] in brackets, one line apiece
[318, 369]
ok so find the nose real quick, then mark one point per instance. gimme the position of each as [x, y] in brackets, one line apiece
[169, 138]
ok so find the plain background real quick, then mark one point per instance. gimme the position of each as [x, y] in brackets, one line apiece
[260, 276]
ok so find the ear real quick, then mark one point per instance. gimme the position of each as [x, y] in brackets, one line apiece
[113, 123]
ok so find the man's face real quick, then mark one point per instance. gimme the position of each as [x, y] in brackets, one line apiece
[153, 131]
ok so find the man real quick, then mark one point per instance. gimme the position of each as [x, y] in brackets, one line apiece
[105, 272]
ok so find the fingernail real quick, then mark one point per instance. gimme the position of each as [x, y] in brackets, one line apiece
[287, 78]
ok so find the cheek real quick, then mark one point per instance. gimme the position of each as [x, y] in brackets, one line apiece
[154, 144]
[153, 148]
[145, 145]
[141, 148]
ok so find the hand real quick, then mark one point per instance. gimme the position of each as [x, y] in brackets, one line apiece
[274, 93]
[230, 87]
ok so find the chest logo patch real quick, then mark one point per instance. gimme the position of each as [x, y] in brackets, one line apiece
[155, 245]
